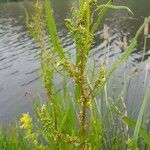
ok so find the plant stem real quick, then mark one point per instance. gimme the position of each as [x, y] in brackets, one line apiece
[144, 50]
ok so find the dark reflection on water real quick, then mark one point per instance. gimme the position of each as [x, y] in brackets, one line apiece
[19, 66]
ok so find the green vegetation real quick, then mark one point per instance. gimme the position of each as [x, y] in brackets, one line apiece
[10, 0]
[77, 117]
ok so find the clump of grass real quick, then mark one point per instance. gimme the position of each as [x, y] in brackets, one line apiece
[73, 120]
[11, 137]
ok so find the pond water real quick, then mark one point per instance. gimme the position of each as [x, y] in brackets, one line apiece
[19, 65]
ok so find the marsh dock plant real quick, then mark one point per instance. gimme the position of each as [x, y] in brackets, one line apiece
[73, 120]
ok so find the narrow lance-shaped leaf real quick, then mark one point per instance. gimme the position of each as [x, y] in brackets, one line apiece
[52, 29]
[115, 7]
[101, 16]
[103, 10]
[140, 117]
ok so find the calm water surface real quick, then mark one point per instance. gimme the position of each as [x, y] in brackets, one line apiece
[19, 66]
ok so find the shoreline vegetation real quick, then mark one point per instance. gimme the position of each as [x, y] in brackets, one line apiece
[86, 115]
[3, 1]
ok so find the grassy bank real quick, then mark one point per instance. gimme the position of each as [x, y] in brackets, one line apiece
[84, 115]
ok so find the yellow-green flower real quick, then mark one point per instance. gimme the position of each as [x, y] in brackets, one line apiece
[26, 121]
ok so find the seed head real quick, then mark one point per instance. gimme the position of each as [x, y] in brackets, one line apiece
[120, 43]
[125, 43]
[147, 67]
[106, 33]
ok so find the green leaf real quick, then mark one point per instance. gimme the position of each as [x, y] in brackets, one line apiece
[139, 120]
[52, 29]
[143, 134]
[116, 7]
[66, 115]
[101, 16]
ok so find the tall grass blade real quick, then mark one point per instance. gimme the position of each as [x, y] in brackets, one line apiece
[116, 7]
[101, 16]
[140, 117]
[52, 29]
